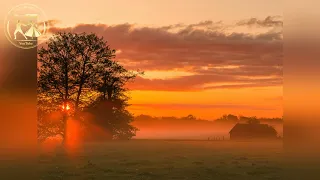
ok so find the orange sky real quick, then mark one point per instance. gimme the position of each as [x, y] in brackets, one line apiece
[204, 57]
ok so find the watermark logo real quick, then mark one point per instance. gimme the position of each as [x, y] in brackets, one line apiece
[26, 26]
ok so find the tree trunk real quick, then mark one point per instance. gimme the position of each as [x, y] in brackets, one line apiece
[109, 93]
[64, 120]
[82, 80]
[65, 101]
[78, 99]
[104, 95]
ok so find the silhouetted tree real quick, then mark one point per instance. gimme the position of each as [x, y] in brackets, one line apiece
[189, 117]
[110, 108]
[227, 119]
[253, 120]
[78, 69]
[57, 81]
[143, 117]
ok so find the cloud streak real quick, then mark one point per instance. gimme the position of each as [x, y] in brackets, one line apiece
[270, 21]
[202, 106]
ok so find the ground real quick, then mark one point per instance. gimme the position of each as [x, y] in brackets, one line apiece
[164, 160]
[154, 160]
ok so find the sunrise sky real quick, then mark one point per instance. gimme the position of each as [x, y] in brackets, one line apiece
[200, 57]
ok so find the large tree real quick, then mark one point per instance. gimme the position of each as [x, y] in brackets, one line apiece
[78, 70]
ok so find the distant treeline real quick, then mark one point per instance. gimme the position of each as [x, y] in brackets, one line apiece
[243, 119]
[225, 119]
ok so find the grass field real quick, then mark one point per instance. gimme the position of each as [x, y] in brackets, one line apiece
[165, 160]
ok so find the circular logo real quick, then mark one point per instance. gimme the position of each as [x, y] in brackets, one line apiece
[26, 26]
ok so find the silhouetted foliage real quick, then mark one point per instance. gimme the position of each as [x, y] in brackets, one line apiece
[227, 119]
[110, 83]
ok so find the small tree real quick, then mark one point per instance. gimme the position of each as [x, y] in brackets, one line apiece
[110, 108]
[228, 119]
[189, 117]
[253, 120]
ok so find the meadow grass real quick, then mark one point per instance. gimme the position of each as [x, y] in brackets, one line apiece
[164, 160]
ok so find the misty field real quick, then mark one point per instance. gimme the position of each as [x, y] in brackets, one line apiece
[158, 159]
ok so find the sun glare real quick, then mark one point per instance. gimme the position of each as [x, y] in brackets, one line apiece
[65, 107]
